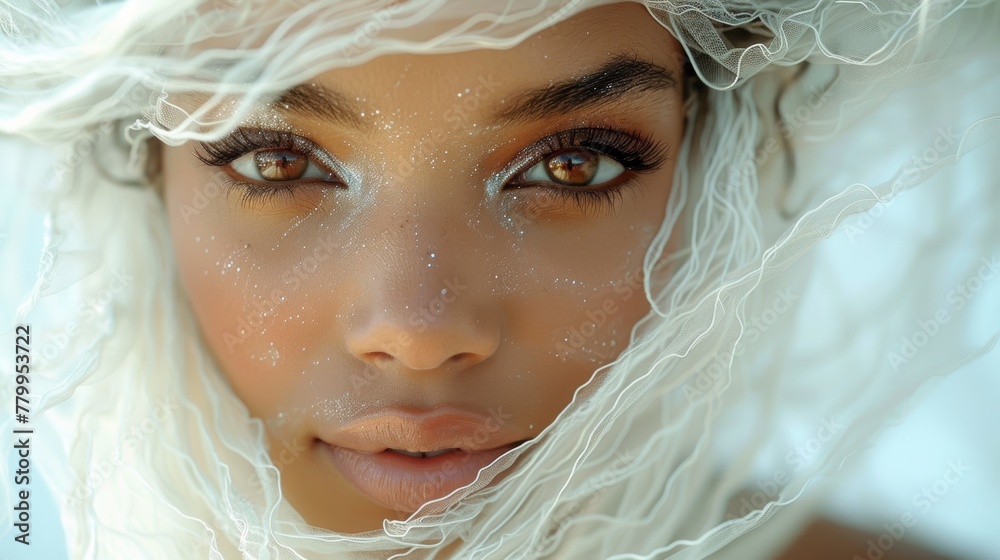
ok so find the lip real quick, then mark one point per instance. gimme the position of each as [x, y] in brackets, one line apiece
[361, 451]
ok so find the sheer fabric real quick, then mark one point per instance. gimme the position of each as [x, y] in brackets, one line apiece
[837, 203]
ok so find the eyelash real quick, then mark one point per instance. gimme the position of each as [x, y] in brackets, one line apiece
[636, 152]
[242, 141]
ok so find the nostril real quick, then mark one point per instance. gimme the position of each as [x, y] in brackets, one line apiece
[384, 359]
[460, 357]
[378, 357]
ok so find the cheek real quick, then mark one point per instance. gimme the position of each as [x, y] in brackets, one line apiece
[271, 296]
[593, 328]
[595, 291]
[580, 323]
[226, 275]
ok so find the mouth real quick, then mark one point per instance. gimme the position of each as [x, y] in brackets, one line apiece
[403, 458]
[422, 454]
[403, 480]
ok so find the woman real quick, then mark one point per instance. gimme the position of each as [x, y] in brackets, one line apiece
[346, 279]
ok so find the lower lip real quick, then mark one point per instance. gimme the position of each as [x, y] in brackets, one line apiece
[403, 483]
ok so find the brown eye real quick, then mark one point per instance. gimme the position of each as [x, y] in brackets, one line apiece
[573, 167]
[280, 165]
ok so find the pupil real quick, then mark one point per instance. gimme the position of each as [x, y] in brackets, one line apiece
[281, 166]
[576, 167]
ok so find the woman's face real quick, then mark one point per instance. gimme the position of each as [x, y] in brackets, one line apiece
[430, 252]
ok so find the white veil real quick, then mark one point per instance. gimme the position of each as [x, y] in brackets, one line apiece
[805, 310]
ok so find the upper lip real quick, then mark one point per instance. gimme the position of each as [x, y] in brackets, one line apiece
[421, 430]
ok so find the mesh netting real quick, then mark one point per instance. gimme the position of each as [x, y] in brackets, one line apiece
[774, 340]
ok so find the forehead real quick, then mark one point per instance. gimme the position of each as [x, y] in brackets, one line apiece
[466, 90]
[581, 43]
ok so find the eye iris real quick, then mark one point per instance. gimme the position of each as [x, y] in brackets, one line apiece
[574, 167]
[280, 166]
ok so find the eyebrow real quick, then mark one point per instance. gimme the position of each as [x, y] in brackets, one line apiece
[313, 100]
[622, 76]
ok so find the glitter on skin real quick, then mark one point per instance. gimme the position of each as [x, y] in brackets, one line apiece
[510, 268]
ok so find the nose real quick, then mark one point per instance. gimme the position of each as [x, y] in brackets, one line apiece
[453, 341]
[411, 316]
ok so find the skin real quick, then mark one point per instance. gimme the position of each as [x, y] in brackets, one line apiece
[825, 540]
[368, 324]
[342, 288]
